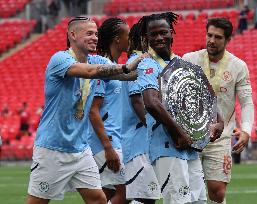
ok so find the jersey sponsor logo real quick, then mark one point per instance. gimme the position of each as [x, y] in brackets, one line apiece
[223, 89]
[149, 71]
[227, 164]
[43, 186]
[117, 90]
[227, 76]
[184, 191]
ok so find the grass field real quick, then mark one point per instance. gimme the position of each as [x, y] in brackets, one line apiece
[14, 181]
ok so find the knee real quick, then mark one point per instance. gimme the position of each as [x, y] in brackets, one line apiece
[217, 195]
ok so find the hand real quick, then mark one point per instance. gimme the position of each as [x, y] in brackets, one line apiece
[183, 142]
[216, 130]
[112, 159]
[243, 139]
[133, 65]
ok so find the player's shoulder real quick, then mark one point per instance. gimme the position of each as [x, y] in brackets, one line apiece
[60, 55]
[59, 58]
[235, 60]
[195, 54]
[147, 62]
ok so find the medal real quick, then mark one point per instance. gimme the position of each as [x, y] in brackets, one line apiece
[79, 112]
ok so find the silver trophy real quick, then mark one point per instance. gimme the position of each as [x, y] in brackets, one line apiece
[190, 99]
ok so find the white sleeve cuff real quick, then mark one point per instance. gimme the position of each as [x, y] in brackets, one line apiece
[247, 127]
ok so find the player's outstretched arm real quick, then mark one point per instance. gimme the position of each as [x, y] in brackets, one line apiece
[103, 71]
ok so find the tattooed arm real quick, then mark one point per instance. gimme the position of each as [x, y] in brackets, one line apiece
[91, 71]
[125, 77]
[94, 71]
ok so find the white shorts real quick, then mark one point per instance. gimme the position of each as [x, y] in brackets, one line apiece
[141, 181]
[173, 177]
[53, 173]
[217, 163]
[108, 178]
[196, 180]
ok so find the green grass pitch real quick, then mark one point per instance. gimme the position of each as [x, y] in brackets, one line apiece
[14, 181]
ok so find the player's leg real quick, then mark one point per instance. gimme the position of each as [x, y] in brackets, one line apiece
[217, 164]
[141, 181]
[196, 182]
[109, 192]
[35, 200]
[87, 181]
[113, 183]
[50, 173]
[92, 196]
[173, 177]
[217, 191]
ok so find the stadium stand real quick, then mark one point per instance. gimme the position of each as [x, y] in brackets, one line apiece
[11, 7]
[13, 32]
[115, 7]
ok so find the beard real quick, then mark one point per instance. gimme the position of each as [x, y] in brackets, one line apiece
[214, 51]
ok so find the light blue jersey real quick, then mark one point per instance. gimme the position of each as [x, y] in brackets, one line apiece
[161, 144]
[110, 90]
[58, 129]
[134, 133]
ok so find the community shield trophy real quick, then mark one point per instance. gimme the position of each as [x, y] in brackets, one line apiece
[188, 96]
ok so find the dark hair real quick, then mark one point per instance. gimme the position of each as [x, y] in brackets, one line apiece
[106, 33]
[72, 22]
[222, 23]
[135, 39]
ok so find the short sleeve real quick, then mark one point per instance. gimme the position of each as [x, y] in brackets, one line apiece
[148, 72]
[59, 64]
[133, 88]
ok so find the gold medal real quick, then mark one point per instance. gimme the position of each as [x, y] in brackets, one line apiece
[158, 58]
[79, 112]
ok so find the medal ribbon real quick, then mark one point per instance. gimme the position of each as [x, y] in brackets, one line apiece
[137, 52]
[84, 83]
[157, 58]
[215, 80]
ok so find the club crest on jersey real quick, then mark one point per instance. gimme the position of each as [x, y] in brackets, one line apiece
[227, 76]
[223, 89]
[149, 71]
